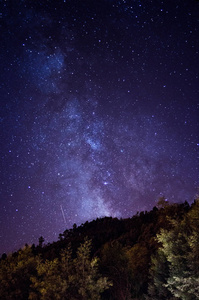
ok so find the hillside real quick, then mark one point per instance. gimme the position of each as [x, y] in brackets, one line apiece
[153, 255]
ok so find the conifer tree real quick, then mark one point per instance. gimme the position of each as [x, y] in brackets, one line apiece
[179, 255]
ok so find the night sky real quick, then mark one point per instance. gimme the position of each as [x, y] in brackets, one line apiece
[99, 111]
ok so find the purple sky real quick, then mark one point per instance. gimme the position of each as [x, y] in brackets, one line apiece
[99, 111]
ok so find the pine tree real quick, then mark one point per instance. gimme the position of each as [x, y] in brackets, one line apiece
[180, 255]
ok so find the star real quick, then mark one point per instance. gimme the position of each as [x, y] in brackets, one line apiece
[99, 112]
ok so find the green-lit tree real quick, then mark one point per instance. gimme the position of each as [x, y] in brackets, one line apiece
[68, 278]
[90, 283]
[138, 265]
[159, 273]
[179, 255]
[15, 272]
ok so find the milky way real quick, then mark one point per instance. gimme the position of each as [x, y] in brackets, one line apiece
[99, 112]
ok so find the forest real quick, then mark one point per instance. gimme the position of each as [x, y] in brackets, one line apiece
[153, 255]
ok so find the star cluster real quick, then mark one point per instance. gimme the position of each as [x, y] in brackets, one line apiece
[99, 111]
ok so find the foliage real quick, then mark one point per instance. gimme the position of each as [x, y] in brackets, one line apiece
[138, 264]
[175, 269]
[153, 255]
[115, 265]
[69, 278]
[15, 272]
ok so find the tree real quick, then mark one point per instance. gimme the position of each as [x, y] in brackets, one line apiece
[15, 272]
[162, 202]
[115, 265]
[138, 265]
[68, 278]
[90, 283]
[41, 241]
[158, 275]
[179, 255]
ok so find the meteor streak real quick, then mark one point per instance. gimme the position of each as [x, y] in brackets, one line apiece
[63, 214]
